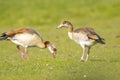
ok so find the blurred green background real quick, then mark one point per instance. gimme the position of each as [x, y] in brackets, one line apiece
[44, 16]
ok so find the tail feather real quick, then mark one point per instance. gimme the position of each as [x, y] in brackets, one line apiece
[3, 36]
[101, 41]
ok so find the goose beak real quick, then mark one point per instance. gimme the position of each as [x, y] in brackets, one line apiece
[54, 54]
[60, 26]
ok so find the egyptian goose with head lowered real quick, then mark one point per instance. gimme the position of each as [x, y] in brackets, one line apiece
[28, 37]
[85, 37]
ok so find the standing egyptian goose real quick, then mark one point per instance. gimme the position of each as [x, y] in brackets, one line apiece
[85, 37]
[27, 37]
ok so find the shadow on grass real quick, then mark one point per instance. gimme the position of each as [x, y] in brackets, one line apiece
[103, 60]
[98, 60]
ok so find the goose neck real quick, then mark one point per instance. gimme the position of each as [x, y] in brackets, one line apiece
[70, 28]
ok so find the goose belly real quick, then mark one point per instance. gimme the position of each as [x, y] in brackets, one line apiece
[24, 40]
[87, 43]
[81, 39]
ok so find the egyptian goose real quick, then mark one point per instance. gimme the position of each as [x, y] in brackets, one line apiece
[28, 37]
[85, 37]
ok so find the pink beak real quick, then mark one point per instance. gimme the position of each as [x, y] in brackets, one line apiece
[54, 54]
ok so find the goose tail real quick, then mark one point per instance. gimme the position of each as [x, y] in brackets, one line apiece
[4, 36]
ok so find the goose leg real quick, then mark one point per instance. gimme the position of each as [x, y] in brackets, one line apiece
[26, 52]
[88, 52]
[84, 51]
[20, 51]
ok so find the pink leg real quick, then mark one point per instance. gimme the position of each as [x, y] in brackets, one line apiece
[26, 52]
[21, 53]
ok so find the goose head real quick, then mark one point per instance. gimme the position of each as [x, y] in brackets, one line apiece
[51, 47]
[65, 24]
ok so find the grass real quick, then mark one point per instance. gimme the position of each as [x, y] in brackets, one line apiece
[44, 16]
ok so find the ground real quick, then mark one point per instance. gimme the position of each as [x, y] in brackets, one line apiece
[44, 16]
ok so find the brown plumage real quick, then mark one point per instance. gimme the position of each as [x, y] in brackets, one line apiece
[85, 37]
[28, 37]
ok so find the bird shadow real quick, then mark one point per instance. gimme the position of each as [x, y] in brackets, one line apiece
[97, 60]
[103, 60]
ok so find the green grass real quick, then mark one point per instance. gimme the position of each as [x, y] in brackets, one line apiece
[44, 16]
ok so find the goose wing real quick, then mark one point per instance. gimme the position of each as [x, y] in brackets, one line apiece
[90, 33]
[20, 31]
